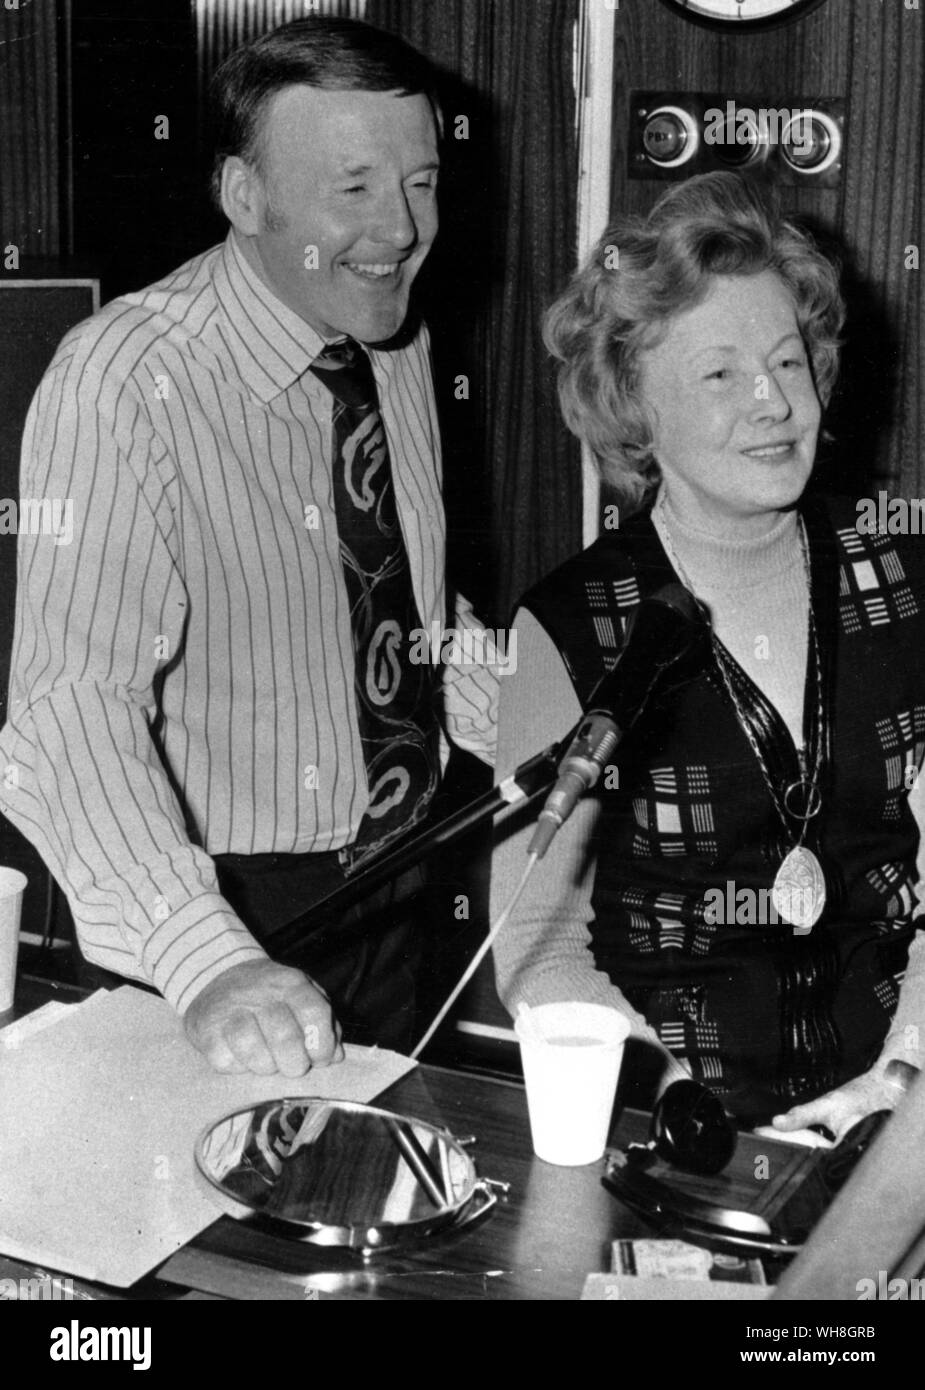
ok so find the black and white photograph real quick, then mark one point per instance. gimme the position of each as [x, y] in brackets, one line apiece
[462, 670]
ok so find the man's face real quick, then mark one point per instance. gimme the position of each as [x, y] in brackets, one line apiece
[347, 206]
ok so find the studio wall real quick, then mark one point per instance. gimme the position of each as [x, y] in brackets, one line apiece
[872, 54]
[30, 205]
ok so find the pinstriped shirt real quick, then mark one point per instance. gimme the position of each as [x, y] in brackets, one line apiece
[182, 671]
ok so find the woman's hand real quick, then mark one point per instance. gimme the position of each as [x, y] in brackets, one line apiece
[841, 1109]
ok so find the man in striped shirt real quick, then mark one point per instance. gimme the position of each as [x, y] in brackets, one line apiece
[183, 723]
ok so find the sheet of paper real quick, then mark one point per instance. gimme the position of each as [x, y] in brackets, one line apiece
[808, 1137]
[14, 1034]
[607, 1288]
[100, 1112]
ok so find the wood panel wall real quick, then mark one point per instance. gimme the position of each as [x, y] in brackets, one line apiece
[29, 162]
[871, 53]
[223, 25]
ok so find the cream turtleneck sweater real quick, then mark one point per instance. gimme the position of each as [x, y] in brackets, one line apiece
[758, 597]
[757, 594]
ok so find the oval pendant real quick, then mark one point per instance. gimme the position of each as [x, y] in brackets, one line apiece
[798, 892]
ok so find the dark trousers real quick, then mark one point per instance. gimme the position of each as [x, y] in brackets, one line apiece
[366, 959]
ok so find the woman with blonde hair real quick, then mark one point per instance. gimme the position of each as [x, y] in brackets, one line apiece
[742, 883]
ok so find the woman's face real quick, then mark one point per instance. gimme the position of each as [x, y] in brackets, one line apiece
[733, 407]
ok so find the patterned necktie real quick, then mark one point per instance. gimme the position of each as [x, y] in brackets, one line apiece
[395, 705]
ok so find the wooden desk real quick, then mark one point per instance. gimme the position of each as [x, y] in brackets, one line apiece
[554, 1228]
[539, 1243]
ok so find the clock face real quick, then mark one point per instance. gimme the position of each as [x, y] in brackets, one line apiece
[747, 14]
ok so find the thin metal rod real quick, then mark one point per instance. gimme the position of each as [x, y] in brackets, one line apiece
[479, 956]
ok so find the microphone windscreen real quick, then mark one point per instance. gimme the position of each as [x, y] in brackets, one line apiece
[679, 598]
[663, 627]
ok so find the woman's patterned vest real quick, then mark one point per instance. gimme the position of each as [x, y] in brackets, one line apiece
[688, 841]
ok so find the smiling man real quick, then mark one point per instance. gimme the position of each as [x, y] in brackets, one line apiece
[214, 718]
[339, 210]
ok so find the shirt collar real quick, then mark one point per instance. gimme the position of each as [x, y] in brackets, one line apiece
[272, 346]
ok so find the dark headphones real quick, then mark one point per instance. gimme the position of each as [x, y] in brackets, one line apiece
[691, 1129]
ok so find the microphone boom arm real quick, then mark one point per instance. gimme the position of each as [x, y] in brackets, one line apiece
[526, 784]
[617, 700]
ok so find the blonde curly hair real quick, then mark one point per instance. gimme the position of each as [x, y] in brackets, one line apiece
[646, 270]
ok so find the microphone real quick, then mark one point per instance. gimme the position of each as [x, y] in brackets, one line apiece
[663, 628]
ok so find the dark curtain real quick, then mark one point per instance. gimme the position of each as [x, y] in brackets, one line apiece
[29, 165]
[507, 243]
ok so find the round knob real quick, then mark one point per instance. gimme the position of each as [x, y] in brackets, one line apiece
[670, 137]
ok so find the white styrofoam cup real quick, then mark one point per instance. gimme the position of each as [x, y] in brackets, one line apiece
[571, 1054]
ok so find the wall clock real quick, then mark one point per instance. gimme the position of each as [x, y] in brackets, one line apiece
[744, 15]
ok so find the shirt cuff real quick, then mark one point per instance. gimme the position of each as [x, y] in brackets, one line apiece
[192, 947]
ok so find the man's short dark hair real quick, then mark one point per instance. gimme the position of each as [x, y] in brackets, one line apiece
[339, 55]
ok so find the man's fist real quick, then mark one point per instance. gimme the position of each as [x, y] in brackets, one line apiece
[263, 1017]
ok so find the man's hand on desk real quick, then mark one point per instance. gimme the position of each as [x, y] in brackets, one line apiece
[263, 1017]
